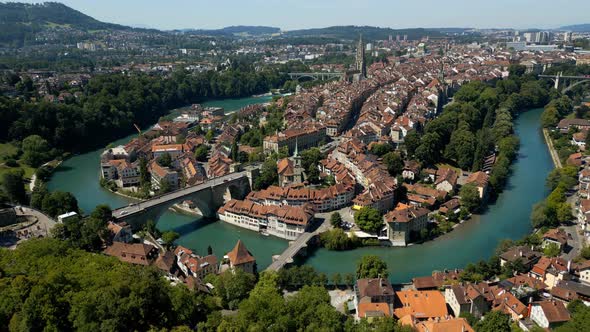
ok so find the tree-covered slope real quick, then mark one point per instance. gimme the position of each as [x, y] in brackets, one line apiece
[20, 21]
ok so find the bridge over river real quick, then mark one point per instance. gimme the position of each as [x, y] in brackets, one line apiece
[207, 196]
[299, 244]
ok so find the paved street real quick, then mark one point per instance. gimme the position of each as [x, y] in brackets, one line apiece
[576, 242]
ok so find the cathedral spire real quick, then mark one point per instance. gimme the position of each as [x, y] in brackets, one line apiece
[360, 58]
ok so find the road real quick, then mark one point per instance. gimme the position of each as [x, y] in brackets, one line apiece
[576, 242]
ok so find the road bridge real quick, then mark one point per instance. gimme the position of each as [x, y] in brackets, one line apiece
[295, 247]
[557, 79]
[317, 76]
[207, 196]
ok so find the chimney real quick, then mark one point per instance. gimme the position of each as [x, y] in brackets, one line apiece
[569, 265]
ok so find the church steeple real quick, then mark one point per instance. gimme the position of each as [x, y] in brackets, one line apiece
[360, 58]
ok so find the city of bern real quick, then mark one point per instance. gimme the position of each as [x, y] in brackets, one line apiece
[388, 166]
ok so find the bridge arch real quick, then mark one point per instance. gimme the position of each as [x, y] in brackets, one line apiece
[207, 198]
[574, 85]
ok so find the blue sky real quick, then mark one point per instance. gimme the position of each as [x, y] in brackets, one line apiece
[296, 14]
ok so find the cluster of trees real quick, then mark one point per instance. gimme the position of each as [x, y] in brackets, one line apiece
[53, 203]
[556, 110]
[478, 123]
[295, 277]
[110, 104]
[371, 266]
[13, 187]
[48, 285]
[368, 219]
[89, 233]
[268, 175]
[470, 199]
[337, 239]
[555, 209]
[231, 287]
[392, 160]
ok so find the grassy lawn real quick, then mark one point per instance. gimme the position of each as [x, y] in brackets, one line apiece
[7, 150]
[29, 171]
[445, 165]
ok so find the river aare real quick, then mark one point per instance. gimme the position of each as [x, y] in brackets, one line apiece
[474, 240]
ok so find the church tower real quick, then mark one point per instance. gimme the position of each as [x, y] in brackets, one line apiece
[361, 66]
[297, 166]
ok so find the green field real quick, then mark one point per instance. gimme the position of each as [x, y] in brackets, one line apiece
[7, 150]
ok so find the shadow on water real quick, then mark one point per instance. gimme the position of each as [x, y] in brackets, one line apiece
[63, 168]
[192, 226]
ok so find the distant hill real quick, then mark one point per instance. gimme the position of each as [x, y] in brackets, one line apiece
[19, 21]
[351, 32]
[577, 27]
[235, 30]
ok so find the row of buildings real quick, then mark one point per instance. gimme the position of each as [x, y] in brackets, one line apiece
[180, 265]
[538, 295]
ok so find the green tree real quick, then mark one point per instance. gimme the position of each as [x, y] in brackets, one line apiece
[235, 150]
[336, 279]
[516, 70]
[169, 237]
[411, 142]
[579, 322]
[268, 175]
[381, 149]
[35, 150]
[144, 174]
[232, 286]
[14, 186]
[494, 321]
[470, 197]
[461, 148]
[371, 266]
[209, 135]
[550, 117]
[201, 152]
[394, 163]
[336, 239]
[551, 250]
[38, 195]
[59, 202]
[165, 160]
[349, 279]
[336, 220]
[369, 219]
[102, 212]
[429, 149]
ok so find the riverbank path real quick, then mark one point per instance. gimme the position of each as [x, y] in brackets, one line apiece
[552, 152]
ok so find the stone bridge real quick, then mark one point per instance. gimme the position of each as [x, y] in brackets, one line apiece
[298, 245]
[208, 197]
